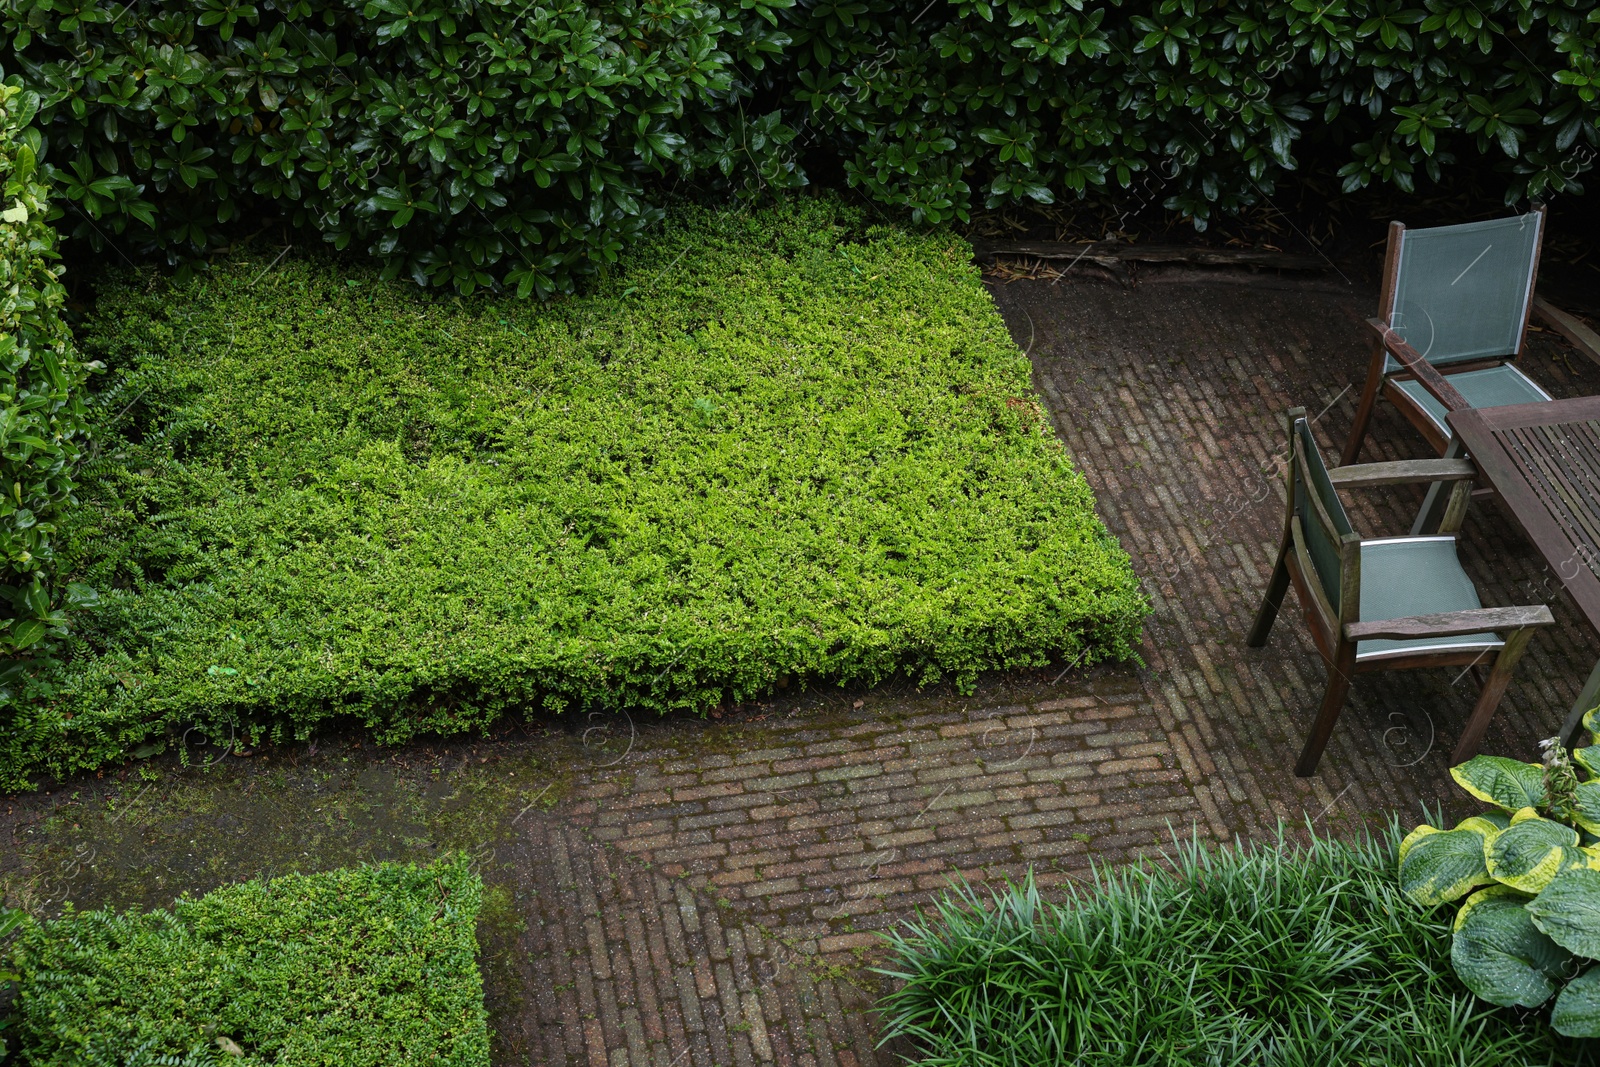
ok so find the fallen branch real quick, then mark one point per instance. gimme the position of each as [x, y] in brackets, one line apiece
[1574, 329]
[1113, 255]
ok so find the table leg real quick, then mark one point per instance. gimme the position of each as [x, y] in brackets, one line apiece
[1438, 497]
[1586, 700]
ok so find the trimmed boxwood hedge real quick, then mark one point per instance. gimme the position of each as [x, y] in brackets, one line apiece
[371, 966]
[774, 450]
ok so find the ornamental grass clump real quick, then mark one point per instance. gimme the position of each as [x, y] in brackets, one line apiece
[1529, 927]
[1273, 955]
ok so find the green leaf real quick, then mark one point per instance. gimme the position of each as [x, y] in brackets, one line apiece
[1438, 866]
[1588, 759]
[1586, 806]
[1500, 955]
[1577, 1010]
[1505, 783]
[1533, 850]
[27, 633]
[1568, 910]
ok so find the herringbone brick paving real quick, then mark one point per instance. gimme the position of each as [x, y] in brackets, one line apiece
[770, 854]
[713, 893]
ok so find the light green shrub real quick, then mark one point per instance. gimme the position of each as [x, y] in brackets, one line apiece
[363, 967]
[774, 450]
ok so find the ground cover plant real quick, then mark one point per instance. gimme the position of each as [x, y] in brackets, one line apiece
[775, 450]
[1269, 955]
[1528, 876]
[473, 142]
[361, 967]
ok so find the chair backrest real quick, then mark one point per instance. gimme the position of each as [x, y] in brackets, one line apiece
[1457, 293]
[1323, 521]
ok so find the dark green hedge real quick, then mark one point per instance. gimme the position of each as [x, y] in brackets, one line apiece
[473, 142]
[462, 143]
[774, 449]
[1200, 105]
[42, 418]
[364, 967]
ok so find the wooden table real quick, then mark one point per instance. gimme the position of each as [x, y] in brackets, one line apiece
[1544, 461]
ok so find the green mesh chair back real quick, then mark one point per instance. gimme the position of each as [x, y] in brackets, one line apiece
[1462, 292]
[1322, 541]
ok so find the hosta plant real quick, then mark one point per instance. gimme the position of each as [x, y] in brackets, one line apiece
[1529, 870]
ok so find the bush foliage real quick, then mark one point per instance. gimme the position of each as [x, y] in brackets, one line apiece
[765, 454]
[473, 142]
[42, 415]
[1532, 934]
[1281, 956]
[364, 967]
[462, 143]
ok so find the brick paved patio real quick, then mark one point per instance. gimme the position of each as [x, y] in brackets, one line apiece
[710, 893]
[718, 890]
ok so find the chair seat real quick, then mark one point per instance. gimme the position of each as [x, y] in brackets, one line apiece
[1403, 576]
[1491, 387]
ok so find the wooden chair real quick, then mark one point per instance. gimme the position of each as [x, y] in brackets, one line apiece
[1460, 296]
[1386, 603]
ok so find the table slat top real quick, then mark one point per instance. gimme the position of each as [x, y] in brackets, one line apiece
[1544, 461]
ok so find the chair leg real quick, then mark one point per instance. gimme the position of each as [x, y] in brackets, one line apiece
[1339, 672]
[1276, 588]
[1494, 688]
[1369, 400]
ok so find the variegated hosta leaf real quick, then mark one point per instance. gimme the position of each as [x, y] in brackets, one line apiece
[1591, 720]
[1528, 814]
[1500, 955]
[1505, 783]
[1414, 836]
[1588, 759]
[1437, 866]
[1531, 851]
[1568, 910]
[1586, 806]
[1577, 1010]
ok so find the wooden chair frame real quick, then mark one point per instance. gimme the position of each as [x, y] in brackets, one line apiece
[1336, 633]
[1380, 382]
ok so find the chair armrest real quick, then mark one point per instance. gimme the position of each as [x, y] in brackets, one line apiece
[1451, 623]
[1401, 471]
[1425, 372]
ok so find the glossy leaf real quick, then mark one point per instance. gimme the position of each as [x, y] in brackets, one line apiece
[1586, 805]
[1568, 910]
[1500, 955]
[1577, 1010]
[1506, 783]
[1437, 866]
[1532, 851]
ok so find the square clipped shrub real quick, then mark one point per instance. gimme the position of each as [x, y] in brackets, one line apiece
[772, 449]
[373, 965]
